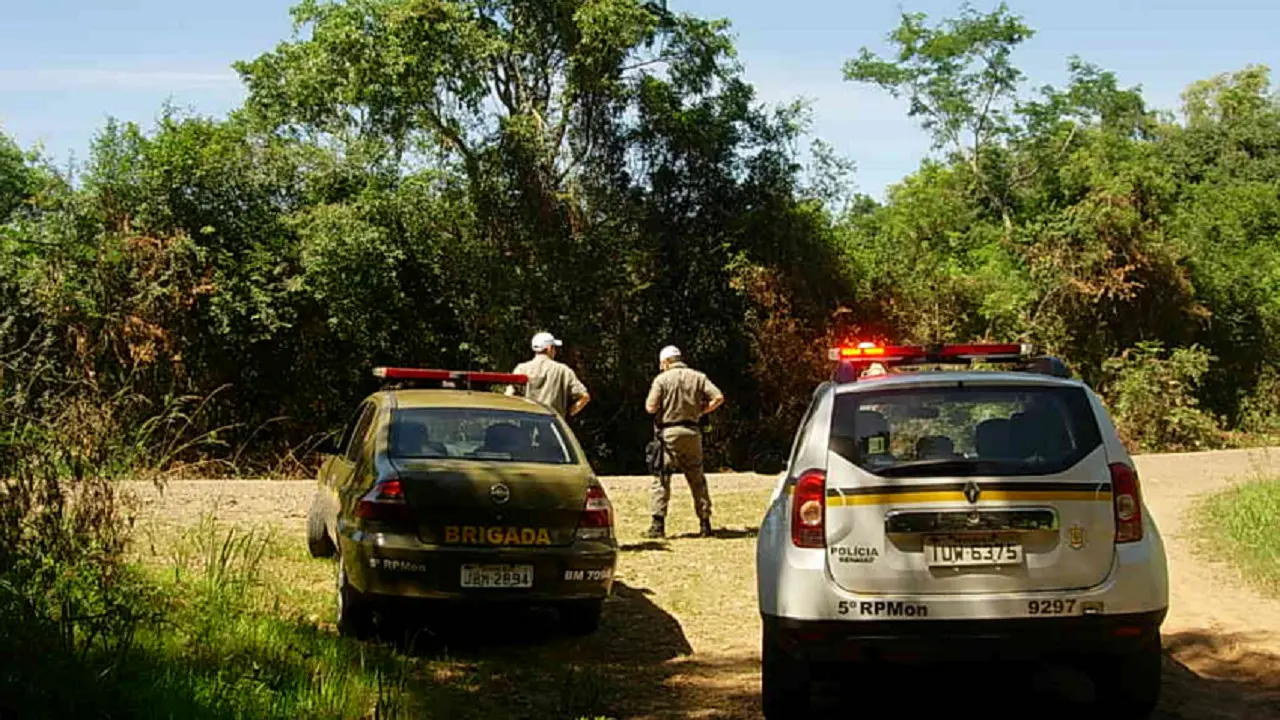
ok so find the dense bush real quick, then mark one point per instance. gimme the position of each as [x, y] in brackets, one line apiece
[1153, 398]
[70, 606]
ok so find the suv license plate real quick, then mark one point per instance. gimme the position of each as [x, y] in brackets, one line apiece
[497, 576]
[966, 551]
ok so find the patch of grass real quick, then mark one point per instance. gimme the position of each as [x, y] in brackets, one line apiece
[494, 662]
[227, 647]
[1242, 520]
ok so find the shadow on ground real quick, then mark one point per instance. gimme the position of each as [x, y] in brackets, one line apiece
[646, 546]
[640, 664]
[493, 662]
[1206, 676]
[662, 546]
[1213, 675]
[722, 534]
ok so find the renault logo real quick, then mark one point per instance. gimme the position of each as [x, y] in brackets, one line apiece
[499, 494]
[972, 492]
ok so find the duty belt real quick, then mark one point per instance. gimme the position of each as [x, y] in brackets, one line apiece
[692, 424]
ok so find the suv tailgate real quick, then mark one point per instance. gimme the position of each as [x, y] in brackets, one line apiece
[967, 488]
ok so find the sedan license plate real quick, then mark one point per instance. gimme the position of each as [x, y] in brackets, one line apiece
[970, 551]
[497, 576]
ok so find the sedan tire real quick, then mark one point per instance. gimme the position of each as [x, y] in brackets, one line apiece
[318, 540]
[355, 612]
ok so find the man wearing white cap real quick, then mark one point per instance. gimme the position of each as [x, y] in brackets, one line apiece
[678, 399]
[551, 382]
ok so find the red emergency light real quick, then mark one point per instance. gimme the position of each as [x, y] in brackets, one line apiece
[468, 378]
[868, 356]
[874, 352]
[984, 350]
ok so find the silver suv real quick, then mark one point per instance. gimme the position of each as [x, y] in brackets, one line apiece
[929, 513]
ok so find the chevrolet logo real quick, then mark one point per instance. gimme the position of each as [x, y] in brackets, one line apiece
[972, 492]
[500, 494]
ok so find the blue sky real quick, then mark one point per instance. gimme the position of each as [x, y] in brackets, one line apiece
[66, 65]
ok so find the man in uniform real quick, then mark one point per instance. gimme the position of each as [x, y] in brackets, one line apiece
[678, 399]
[551, 382]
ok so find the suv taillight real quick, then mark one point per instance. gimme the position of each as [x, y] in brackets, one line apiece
[808, 510]
[1127, 497]
[596, 522]
[385, 502]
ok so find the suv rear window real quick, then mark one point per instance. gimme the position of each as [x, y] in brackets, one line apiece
[478, 434]
[974, 430]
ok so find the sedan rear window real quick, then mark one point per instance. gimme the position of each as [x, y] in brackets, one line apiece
[478, 434]
[974, 430]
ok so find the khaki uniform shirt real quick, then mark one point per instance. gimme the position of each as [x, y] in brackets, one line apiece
[681, 393]
[551, 383]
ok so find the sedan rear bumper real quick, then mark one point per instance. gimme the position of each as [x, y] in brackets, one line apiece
[821, 641]
[581, 571]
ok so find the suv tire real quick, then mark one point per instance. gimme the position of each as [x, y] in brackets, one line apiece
[318, 540]
[581, 617]
[1129, 684]
[784, 681]
[355, 612]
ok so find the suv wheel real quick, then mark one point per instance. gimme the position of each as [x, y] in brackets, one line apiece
[784, 681]
[318, 541]
[355, 615]
[581, 617]
[1130, 684]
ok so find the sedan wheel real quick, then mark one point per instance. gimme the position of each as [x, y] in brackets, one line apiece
[355, 616]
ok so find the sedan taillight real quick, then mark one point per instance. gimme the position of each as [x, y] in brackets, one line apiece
[809, 510]
[385, 502]
[596, 521]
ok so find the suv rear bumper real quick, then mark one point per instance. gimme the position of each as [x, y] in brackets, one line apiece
[821, 641]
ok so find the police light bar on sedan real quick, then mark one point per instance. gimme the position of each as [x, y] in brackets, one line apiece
[469, 377]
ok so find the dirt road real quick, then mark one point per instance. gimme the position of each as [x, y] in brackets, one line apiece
[1222, 638]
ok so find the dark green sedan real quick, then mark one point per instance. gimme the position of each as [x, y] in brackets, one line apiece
[451, 493]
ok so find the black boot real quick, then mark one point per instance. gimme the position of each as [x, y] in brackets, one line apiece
[657, 529]
[706, 528]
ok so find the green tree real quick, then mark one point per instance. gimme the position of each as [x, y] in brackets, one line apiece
[960, 81]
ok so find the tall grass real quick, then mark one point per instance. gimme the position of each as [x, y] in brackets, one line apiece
[70, 607]
[229, 650]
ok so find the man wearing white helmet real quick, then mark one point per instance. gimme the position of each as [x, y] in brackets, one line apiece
[678, 399]
[551, 382]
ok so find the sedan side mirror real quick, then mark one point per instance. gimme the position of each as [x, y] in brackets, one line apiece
[769, 462]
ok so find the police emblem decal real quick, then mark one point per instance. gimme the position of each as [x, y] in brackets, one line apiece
[972, 492]
[499, 494]
[1075, 536]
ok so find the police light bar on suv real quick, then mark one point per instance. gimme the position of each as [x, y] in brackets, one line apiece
[875, 353]
[449, 378]
[870, 352]
[852, 360]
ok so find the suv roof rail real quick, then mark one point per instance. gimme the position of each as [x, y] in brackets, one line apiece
[869, 359]
[399, 378]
